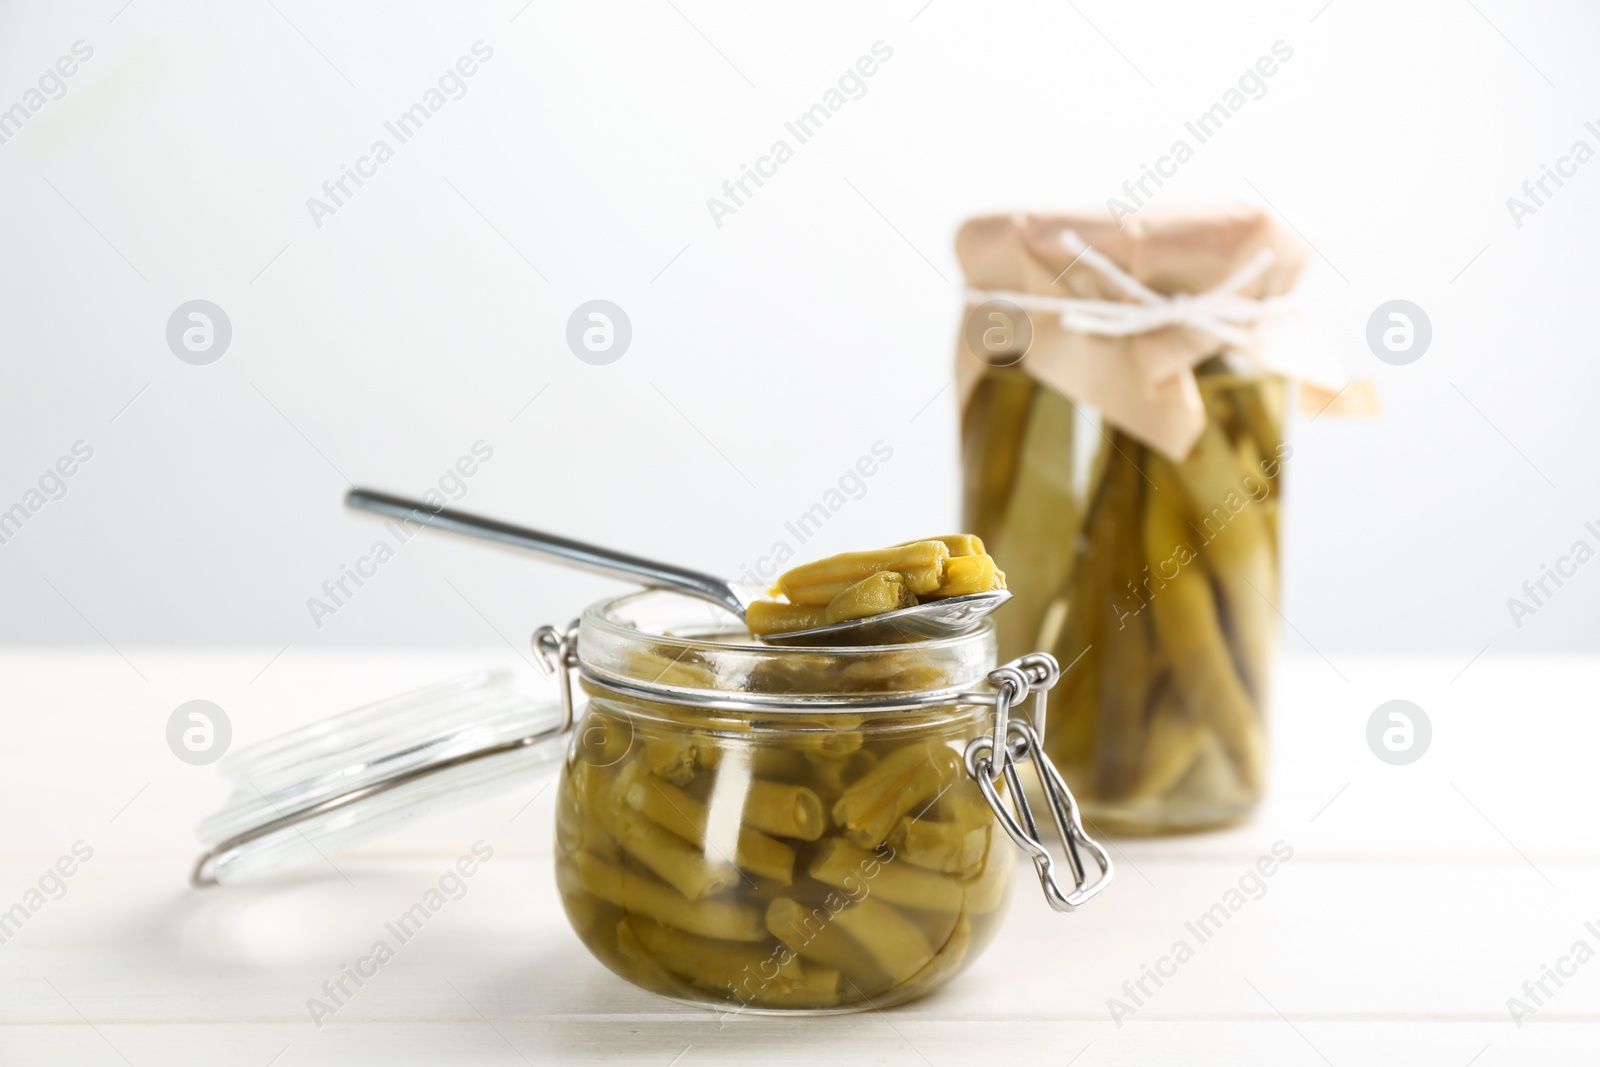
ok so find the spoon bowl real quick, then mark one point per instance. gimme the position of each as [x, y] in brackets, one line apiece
[937, 618]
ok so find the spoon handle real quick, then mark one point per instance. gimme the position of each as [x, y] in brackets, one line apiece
[559, 549]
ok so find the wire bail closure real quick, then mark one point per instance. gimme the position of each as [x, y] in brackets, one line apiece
[1014, 741]
[555, 653]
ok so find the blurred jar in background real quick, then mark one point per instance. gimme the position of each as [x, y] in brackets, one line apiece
[1123, 398]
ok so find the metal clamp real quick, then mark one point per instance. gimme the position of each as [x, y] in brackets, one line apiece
[1015, 741]
[555, 653]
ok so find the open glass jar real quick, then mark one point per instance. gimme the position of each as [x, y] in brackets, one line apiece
[740, 825]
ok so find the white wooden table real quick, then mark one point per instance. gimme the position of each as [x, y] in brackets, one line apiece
[1418, 899]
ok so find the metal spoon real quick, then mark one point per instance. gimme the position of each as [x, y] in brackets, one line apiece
[937, 618]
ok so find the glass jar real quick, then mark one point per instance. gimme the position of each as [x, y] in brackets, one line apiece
[1153, 581]
[739, 825]
[781, 829]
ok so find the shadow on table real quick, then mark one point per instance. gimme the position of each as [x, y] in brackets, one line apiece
[564, 1005]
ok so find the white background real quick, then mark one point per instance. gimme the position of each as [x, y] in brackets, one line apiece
[769, 353]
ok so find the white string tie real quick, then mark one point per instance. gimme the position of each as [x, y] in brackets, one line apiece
[1220, 312]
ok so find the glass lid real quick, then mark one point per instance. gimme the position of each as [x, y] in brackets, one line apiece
[335, 783]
